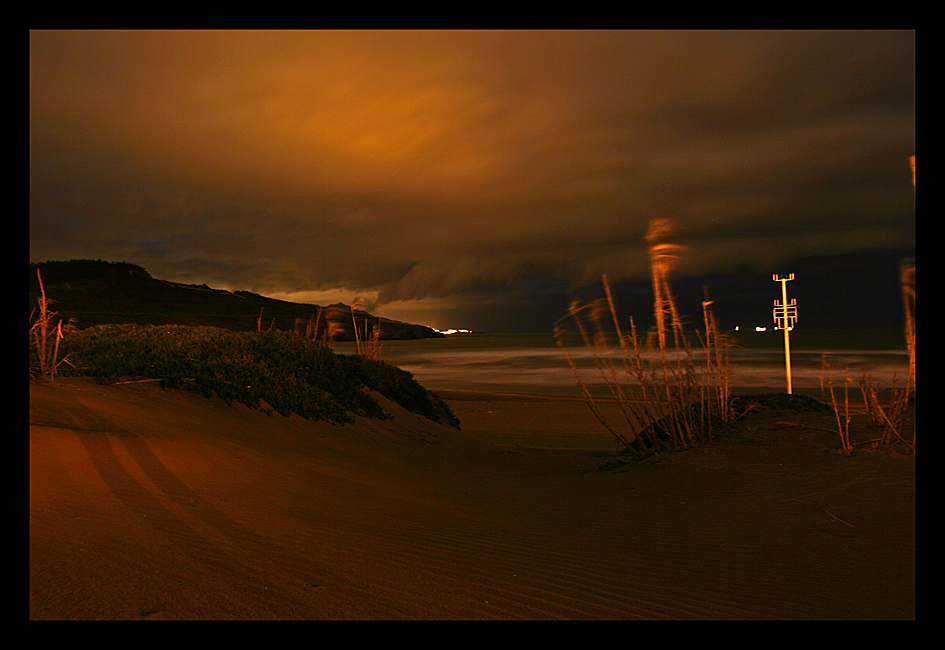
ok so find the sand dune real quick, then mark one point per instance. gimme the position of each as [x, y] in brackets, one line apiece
[153, 504]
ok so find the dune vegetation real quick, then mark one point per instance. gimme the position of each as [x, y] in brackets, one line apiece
[270, 370]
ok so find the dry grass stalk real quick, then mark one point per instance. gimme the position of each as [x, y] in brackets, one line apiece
[312, 332]
[332, 331]
[354, 323]
[716, 383]
[907, 281]
[46, 332]
[843, 424]
[626, 441]
[888, 416]
[309, 329]
[368, 346]
[826, 362]
[272, 324]
[373, 345]
[891, 416]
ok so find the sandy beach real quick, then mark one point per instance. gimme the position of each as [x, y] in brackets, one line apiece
[157, 504]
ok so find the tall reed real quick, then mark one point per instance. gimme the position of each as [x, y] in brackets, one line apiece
[309, 329]
[665, 401]
[367, 345]
[907, 282]
[46, 333]
[354, 325]
[716, 385]
[843, 423]
[888, 415]
[259, 327]
[372, 343]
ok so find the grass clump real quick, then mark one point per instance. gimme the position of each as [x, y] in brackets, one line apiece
[668, 401]
[46, 333]
[267, 369]
[888, 415]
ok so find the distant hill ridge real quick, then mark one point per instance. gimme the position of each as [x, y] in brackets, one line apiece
[96, 292]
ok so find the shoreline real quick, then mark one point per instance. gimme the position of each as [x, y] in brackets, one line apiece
[524, 394]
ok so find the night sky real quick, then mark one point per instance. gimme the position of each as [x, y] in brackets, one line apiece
[474, 179]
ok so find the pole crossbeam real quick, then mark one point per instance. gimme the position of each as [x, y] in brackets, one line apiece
[785, 315]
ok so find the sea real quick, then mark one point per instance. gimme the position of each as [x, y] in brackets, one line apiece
[535, 364]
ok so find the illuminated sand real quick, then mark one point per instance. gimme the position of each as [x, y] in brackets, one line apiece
[158, 504]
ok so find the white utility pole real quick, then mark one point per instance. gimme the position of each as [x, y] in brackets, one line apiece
[785, 315]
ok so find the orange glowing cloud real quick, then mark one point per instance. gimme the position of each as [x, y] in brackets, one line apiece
[425, 164]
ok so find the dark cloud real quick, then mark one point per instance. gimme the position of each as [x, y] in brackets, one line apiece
[436, 174]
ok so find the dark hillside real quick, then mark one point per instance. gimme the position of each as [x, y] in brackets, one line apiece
[95, 292]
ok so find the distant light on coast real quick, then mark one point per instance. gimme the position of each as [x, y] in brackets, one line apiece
[452, 331]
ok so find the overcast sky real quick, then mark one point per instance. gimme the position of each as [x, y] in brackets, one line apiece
[439, 177]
